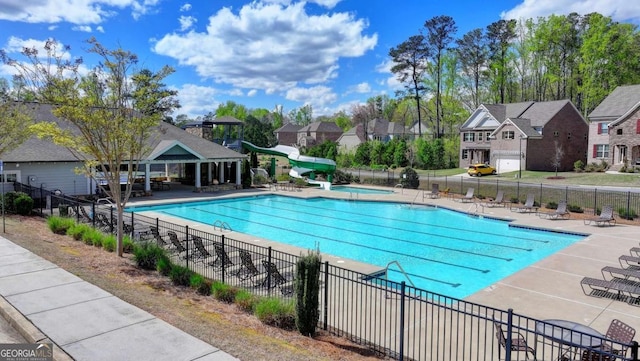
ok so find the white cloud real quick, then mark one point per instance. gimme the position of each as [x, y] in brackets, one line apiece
[100, 29]
[361, 88]
[252, 92]
[75, 12]
[270, 47]
[186, 22]
[392, 81]
[84, 28]
[619, 10]
[196, 100]
[318, 96]
[185, 7]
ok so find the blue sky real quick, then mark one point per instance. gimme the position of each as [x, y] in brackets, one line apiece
[331, 54]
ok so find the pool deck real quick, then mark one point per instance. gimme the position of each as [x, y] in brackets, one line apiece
[549, 289]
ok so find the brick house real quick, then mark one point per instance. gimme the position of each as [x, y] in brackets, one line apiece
[318, 132]
[614, 128]
[524, 136]
[287, 134]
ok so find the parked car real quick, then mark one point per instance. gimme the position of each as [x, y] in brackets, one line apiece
[480, 170]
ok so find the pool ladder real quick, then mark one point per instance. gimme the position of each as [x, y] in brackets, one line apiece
[353, 196]
[386, 274]
[221, 225]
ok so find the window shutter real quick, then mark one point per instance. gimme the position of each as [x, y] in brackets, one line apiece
[595, 149]
[638, 126]
[600, 128]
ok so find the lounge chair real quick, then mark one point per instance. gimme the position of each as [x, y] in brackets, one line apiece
[435, 191]
[177, 244]
[103, 222]
[605, 217]
[85, 216]
[629, 261]
[247, 269]
[603, 288]
[276, 279]
[626, 273]
[155, 234]
[635, 251]
[468, 197]
[559, 213]
[222, 258]
[498, 201]
[618, 332]
[528, 206]
[518, 342]
[201, 252]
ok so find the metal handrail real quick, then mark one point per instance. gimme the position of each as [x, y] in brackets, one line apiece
[386, 272]
[221, 225]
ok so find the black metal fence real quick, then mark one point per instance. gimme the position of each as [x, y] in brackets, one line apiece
[393, 319]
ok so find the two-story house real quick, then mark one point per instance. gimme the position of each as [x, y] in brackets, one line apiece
[614, 128]
[525, 136]
[318, 132]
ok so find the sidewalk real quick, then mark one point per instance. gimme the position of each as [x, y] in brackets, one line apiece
[48, 304]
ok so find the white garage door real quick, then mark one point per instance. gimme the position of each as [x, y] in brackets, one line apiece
[508, 163]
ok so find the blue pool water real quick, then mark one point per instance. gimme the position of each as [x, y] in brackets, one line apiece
[360, 190]
[443, 251]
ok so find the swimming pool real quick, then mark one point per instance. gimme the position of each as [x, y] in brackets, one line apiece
[443, 251]
[360, 190]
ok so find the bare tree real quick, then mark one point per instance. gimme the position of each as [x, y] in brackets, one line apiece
[558, 156]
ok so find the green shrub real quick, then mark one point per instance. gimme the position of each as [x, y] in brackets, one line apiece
[578, 165]
[146, 255]
[127, 244]
[180, 275]
[409, 178]
[204, 288]
[60, 225]
[276, 312]
[630, 215]
[223, 292]
[163, 265]
[307, 286]
[23, 205]
[109, 243]
[575, 209]
[552, 205]
[196, 280]
[97, 241]
[92, 234]
[9, 199]
[78, 230]
[245, 300]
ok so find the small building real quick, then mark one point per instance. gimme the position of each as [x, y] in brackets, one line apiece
[317, 133]
[614, 128]
[287, 134]
[525, 136]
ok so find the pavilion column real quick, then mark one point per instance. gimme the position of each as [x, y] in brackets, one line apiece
[198, 176]
[209, 173]
[147, 177]
[238, 173]
[221, 172]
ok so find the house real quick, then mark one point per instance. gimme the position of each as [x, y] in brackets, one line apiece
[287, 134]
[524, 136]
[377, 129]
[41, 163]
[318, 132]
[614, 128]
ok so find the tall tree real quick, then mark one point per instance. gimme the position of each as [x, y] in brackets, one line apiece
[150, 95]
[109, 132]
[410, 59]
[472, 54]
[440, 31]
[232, 109]
[303, 115]
[259, 132]
[14, 127]
[499, 36]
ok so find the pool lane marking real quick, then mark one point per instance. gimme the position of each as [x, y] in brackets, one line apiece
[452, 284]
[410, 222]
[362, 245]
[404, 230]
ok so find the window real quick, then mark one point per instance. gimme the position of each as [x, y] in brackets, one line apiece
[556, 133]
[603, 128]
[10, 176]
[569, 135]
[469, 137]
[479, 137]
[465, 153]
[487, 136]
[601, 150]
[619, 131]
[508, 134]
[538, 130]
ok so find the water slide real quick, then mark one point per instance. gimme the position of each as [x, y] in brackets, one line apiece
[301, 165]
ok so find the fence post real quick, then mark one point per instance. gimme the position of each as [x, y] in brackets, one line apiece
[269, 271]
[518, 190]
[186, 244]
[133, 227]
[628, 215]
[402, 296]
[222, 261]
[634, 351]
[111, 220]
[509, 333]
[93, 215]
[540, 194]
[566, 194]
[595, 201]
[326, 295]
[461, 185]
